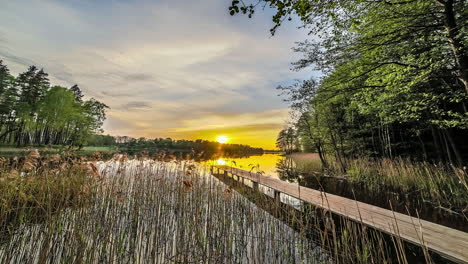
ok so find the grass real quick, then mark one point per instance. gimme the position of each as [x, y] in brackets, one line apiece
[308, 166]
[438, 185]
[149, 211]
[36, 187]
[11, 150]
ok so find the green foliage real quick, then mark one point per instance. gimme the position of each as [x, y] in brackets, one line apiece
[395, 77]
[32, 112]
[287, 140]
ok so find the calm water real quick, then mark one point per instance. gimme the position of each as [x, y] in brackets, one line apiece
[266, 163]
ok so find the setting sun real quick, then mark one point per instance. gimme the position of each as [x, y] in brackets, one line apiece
[221, 162]
[222, 139]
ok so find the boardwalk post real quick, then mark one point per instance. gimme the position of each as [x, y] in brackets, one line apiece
[277, 196]
[255, 185]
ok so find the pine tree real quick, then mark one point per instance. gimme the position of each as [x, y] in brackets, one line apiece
[4, 77]
[77, 92]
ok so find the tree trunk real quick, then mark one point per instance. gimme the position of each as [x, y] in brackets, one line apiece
[423, 147]
[7, 132]
[436, 144]
[337, 152]
[447, 148]
[456, 43]
[454, 147]
[318, 145]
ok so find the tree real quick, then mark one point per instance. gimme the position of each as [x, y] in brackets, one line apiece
[337, 22]
[286, 140]
[4, 78]
[32, 112]
[394, 78]
[33, 85]
[77, 93]
[8, 98]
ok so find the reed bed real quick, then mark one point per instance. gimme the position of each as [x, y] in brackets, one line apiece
[63, 210]
[145, 211]
[441, 186]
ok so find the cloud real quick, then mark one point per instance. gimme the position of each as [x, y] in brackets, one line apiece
[116, 94]
[166, 66]
[136, 105]
[138, 77]
[9, 57]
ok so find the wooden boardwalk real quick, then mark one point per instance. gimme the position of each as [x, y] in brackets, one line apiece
[449, 243]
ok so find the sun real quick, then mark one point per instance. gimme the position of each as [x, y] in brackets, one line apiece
[222, 139]
[221, 162]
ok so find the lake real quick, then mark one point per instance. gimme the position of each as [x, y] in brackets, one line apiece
[267, 163]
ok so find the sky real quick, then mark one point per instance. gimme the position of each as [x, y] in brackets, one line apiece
[166, 68]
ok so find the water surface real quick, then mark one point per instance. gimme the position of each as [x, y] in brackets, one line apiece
[266, 163]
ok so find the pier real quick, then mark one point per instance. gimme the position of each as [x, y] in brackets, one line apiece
[449, 243]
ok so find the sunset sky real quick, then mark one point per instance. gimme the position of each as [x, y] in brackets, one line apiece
[170, 68]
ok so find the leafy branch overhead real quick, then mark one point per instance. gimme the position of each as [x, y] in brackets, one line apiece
[378, 23]
[394, 76]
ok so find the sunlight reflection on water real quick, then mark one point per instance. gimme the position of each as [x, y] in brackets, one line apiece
[265, 163]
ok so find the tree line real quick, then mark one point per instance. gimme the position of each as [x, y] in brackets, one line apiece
[394, 77]
[32, 112]
[199, 147]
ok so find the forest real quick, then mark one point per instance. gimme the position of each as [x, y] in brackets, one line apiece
[32, 112]
[393, 78]
[200, 148]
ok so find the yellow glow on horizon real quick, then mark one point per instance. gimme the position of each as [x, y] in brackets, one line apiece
[254, 129]
[222, 139]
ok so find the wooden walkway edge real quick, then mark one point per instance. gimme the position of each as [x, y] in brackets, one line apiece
[447, 242]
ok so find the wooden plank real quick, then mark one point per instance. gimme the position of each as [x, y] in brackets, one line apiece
[448, 242]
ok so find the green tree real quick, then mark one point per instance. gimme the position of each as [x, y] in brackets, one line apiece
[32, 112]
[337, 22]
[395, 76]
[287, 140]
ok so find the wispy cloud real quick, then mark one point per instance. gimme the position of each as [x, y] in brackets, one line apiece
[135, 105]
[164, 67]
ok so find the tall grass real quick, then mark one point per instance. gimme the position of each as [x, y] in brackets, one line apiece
[32, 190]
[440, 182]
[11, 151]
[149, 211]
[158, 212]
[438, 185]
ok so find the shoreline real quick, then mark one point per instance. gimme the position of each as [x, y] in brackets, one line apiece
[303, 156]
